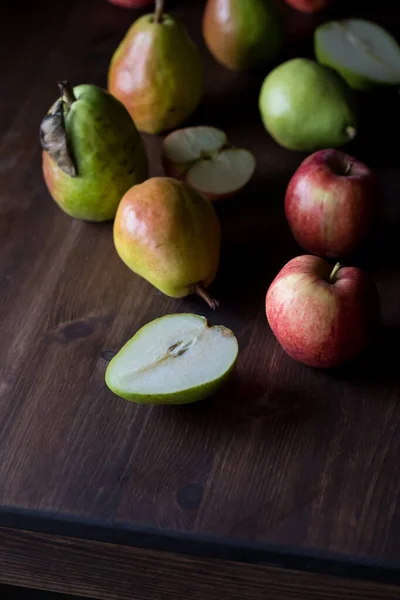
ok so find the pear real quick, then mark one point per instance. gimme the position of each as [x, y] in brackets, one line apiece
[92, 152]
[307, 107]
[156, 72]
[169, 234]
[176, 359]
[364, 53]
[242, 33]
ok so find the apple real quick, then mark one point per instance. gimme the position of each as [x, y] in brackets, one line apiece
[322, 315]
[309, 6]
[132, 3]
[330, 203]
[202, 157]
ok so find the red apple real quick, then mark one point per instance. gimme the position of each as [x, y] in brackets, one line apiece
[309, 6]
[330, 203]
[322, 315]
[132, 3]
[202, 157]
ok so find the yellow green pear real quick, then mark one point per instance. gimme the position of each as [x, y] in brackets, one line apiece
[169, 234]
[156, 72]
[92, 152]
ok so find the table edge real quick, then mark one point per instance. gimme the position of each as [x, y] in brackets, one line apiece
[272, 555]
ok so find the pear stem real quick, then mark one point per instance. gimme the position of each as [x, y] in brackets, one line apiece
[200, 291]
[332, 276]
[159, 11]
[67, 93]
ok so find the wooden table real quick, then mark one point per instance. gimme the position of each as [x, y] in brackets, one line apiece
[284, 486]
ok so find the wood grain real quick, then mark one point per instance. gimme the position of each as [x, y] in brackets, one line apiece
[284, 455]
[109, 572]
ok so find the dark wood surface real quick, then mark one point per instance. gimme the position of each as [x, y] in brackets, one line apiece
[108, 572]
[11, 592]
[285, 456]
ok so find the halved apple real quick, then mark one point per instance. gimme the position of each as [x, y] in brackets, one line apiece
[202, 157]
[176, 359]
[364, 53]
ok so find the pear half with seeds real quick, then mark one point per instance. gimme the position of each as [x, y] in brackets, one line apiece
[364, 53]
[176, 359]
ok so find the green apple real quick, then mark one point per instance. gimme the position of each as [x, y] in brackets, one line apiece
[362, 52]
[307, 107]
[176, 359]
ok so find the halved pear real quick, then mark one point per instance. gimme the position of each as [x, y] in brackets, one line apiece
[176, 359]
[364, 53]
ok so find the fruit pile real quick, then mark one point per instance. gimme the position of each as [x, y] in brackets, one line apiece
[166, 229]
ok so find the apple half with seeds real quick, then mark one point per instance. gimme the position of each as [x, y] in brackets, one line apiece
[202, 157]
[176, 359]
[364, 53]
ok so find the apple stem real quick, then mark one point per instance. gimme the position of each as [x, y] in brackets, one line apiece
[332, 276]
[200, 291]
[348, 168]
[159, 11]
[67, 93]
[351, 132]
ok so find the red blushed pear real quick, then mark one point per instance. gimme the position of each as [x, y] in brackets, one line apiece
[330, 203]
[242, 33]
[322, 315]
[170, 235]
[156, 72]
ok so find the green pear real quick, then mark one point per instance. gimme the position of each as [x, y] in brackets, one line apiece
[242, 33]
[176, 359]
[169, 234]
[364, 53]
[156, 72]
[307, 107]
[92, 152]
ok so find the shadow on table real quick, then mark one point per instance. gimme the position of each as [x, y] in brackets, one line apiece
[8, 592]
[378, 366]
